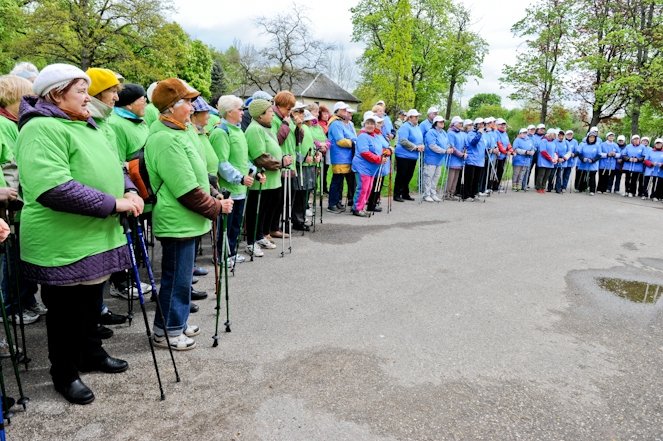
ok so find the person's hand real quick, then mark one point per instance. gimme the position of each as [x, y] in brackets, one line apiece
[308, 159]
[384, 159]
[125, 205]
[140, 203]
[261, 178]
[4, 230]
[420, 148]
[318, 157]
[248, 181]
[287, 160]
[633, 160]
[8, 194]
[390, 137]
[464, 155]
[286, 120]
[554, 161]
[227, 206]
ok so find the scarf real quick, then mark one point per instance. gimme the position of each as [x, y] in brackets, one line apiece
[7, 114]
[172, 123]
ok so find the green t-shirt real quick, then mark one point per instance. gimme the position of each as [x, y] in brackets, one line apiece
[130, 135]
[8, 136]
[231, 147]
[213, 121]
[306, 147]
[262, 140]
[211, 161]
[175, 167]
[51, 152]
[151, 114]
[288, 147]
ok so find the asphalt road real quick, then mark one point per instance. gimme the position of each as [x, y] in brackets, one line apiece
[450, 321]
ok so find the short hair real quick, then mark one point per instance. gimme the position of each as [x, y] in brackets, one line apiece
[285, 98]
[377, 107]
[323, 108]
[13, 88]
[313, 108]
[227, 103]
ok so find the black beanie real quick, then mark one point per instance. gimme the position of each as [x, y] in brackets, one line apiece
[129, 94]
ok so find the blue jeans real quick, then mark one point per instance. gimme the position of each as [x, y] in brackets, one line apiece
[566, 174]
[234, 226]
[175, 293]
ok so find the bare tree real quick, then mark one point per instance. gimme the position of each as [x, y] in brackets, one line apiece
[341, 68]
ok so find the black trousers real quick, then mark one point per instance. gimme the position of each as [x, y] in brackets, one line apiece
[473, 175]
[71, 323]
[631, 180]
[606, 179]
[587, 179]
[269, 213]
[656, 190]
[495, 184]
[404, 172]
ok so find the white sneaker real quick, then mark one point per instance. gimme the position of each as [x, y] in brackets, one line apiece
[179, 343]
[309, 212]
[254, 250]
[29, 317]
[264, 243]
[624, 194]
[237, 258]
[126, 292]
[591, 194]
[38, 309]
[483, 194]
[428, 199]
[436, 199]
[655, 199]
[630, 195]
[644, 198]
[192, 330]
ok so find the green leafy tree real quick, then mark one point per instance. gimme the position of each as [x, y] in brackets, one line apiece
[480, 100]
[196, 67]
[11, 25]
[538, 73]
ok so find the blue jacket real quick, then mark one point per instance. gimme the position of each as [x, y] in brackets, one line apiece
[476, 153]
[562, 150]
[387, 126]
[591, 152]
[521, 146]
[632, 151]
[489, 140]
[548, 147]
[412, 134]
[367, 152]
[338, 131]
[573, 148]
[437, 138]
[456, 140]
[425, 126]
[656, 157]
[620, 161]
[382, 141]
[502, 137]
[609, 162]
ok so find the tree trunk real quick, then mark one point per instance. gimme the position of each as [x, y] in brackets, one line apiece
[450, 98]
[544, 111]
[635, 115]
[596, 113]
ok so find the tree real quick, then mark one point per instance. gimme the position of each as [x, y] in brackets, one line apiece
[341, 68]
[465, 51]
[218, 78]
[196, 67]
[11, 24]
[482, 99]
[90, 32]
[538, 73]
[291, 51]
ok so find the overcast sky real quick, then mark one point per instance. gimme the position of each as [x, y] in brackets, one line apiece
[220, 23]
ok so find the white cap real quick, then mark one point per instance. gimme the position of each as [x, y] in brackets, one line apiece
[56, 75]
[521, 131]
[594, 129]
[299, 106]
[593, 133]
[609, 134]
[308, 116]
[569, 132]
[380, 103]
[658, 140]
[468, 122]
[438, 118]
[500, 121]
[551, 131]
[351, 110]
[478, 121]
[530, 127]
[340, 105]
[369, 116]
[456, 119]
[412, 112]
[489, 120]
[150, 90]
[644, 138]
[541, 126]
[433, 110]
[621, 138]
[635, 136]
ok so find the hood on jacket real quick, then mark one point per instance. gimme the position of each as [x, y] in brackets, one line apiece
[32, 107]
[98, 109]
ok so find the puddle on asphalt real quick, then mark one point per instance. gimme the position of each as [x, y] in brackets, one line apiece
[637, 292]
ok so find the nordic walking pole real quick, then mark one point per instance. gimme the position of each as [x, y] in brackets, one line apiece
[23, 400]
[314, 218]
[241, 226]
[284, 213]
[215, 338]
[226, 250]
[255, 227]
[322, 176]
[5, 401]
[289, 213]
[134, 266]
[389, 188]
[14, 279]
[378, 183]
[150, 275]
[215, 256]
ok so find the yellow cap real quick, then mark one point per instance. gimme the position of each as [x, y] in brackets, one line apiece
[102, 79]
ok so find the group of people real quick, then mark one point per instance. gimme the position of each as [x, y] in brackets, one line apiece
[83, 149]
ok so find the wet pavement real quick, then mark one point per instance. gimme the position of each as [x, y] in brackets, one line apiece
[450, 321]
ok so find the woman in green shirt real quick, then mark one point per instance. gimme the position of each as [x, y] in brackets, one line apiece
[71, 241]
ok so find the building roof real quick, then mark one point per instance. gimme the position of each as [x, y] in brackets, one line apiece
[314, 86]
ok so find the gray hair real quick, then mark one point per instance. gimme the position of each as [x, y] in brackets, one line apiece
[227, 103]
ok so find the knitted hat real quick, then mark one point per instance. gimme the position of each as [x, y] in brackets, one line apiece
[102, 79]
[258, 107]
[56, 75]
[129, 94]
[170, 91]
